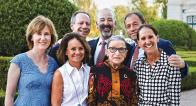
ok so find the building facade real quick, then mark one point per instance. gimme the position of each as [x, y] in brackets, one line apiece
[184, 10]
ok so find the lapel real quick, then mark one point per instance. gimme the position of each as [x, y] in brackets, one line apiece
[93, 45]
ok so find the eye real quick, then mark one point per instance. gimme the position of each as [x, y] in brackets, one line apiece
[110, 19]
[143, 38]
[73, 49]
[150, 37]
[80, 48]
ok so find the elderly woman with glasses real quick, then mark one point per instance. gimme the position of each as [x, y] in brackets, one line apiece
[111, 83]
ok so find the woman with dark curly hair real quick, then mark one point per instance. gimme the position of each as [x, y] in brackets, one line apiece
[70, 81]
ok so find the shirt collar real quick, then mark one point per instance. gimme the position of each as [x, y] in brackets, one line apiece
[70, 69]
[100, 40]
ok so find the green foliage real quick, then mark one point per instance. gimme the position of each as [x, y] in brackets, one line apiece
[16, 14]
[177, 32]
[4, 65]
[150, 12]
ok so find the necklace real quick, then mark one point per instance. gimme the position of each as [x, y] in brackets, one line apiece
[79, 104]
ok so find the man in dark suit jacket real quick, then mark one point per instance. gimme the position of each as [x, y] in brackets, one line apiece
[80, 23]
[105, 23]
[132, 23]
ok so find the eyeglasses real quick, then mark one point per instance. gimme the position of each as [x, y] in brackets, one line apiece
[114, 49]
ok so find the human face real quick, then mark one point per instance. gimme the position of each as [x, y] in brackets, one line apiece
[41, 40]
[82, 24]
[75, 52]
[117, 57]
[148, 40]
[105, 23]
[132, 24]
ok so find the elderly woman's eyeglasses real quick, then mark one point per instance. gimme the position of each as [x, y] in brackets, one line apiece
[114, 49]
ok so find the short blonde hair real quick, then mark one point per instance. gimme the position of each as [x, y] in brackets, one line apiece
[38, 24]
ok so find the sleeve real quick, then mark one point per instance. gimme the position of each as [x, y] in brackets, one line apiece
[17, 60]
[174, 86]
[184, 71]
[91, 92]
[53, 51]
[167, 46]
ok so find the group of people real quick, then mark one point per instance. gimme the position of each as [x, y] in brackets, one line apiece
[106, 71]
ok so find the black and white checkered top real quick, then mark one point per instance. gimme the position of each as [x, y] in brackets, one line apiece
[159, 84]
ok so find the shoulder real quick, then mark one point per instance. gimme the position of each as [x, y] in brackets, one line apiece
[57, 73]
[19, 58]
[129, 71]
[164, 41]
[100, 67]
[93, 42]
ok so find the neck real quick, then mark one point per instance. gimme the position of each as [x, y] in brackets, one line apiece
[74, 64]
[152, 58]
[38, 55]
[114, 66]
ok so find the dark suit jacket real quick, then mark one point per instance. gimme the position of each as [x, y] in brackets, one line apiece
[53, 52]
[93, 45]
[167, 47]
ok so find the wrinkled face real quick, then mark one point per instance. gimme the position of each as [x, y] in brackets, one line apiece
[82, 24]
[148, 40]
[105, 23]
[116, 52]
[41, 40]
[132, 24]
[75, 52]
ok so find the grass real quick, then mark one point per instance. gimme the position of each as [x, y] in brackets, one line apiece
[190, 81]
[190, 58]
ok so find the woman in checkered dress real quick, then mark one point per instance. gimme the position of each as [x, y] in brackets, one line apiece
[159, 82]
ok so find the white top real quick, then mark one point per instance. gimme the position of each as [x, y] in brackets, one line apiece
[75, 84]
[98, 48]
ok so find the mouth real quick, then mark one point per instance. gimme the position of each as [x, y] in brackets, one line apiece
[106, 28]
[148, 45]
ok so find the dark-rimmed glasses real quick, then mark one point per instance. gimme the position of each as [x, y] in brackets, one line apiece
[114, 49]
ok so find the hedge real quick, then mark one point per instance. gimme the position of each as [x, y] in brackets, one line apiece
[16, 14]
[178, 32]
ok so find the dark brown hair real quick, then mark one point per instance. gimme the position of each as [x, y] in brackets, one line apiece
[62, 58]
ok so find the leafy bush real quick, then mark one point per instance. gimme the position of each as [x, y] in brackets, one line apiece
[16, 14]
[4, 65]
[176, 31]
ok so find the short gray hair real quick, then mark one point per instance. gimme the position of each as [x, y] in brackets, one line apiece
[115, 38]
[106, 9]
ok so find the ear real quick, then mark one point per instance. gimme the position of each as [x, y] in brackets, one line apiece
[71, 26]
[66, 52]
[157, 38]
[114, 24]
[97, 25]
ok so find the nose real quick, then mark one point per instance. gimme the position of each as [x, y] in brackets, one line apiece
[43, 36]
[117, 52]
[106, 22]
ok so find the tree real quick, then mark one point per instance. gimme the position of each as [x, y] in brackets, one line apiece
[163, 5]
[15, 15]
[120, 12]
[149, 12]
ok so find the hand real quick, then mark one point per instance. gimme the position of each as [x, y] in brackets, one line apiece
[176, 61]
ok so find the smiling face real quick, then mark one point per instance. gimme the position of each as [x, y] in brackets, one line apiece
[116, 57]
[42, 39]
[148, 40]
[105, 23]
[132, 24]
[81, 24]
[75, 52]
